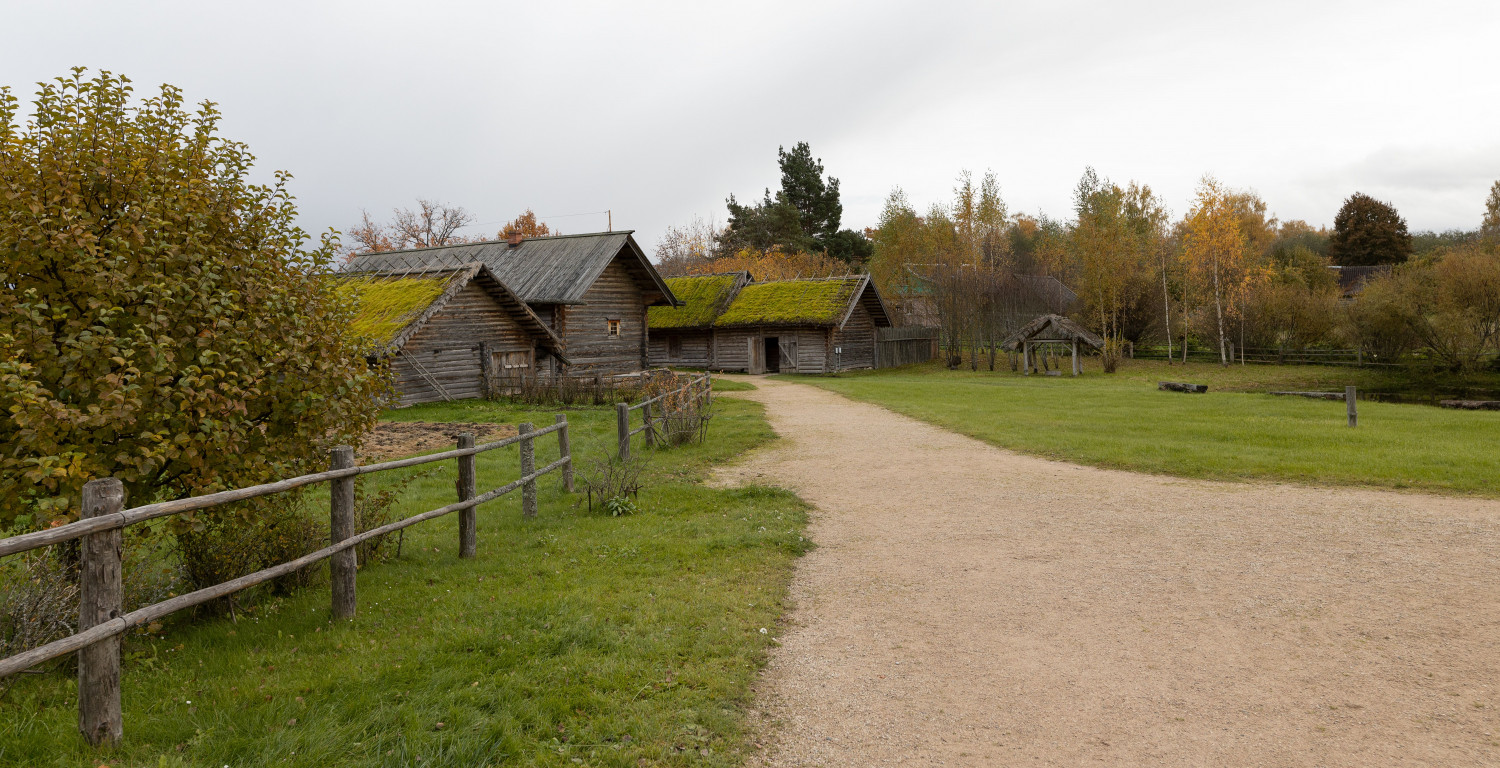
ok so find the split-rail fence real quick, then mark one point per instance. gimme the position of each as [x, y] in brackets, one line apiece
[698, 388]
[102, 619]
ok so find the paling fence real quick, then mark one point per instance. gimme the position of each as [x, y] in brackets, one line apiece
[905, 346]
[102, 620]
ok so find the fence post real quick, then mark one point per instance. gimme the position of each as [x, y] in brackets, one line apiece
[100, 598]
[1353, 414]
[341, 566]
[565, 451]
[528, 466]
[646, 420]
[468, 482]
[622, 427]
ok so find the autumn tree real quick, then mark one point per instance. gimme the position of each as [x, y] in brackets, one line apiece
[429, 224]
[682, 250]
[164, 320]
[526, 225]
[1214, 248]
[1489, 228]
[1368, 232]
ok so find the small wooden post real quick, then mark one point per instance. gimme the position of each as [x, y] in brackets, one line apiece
[1075, 358]
[565, 451]
[341, 566]
[101, 591]
[468, 488]
[1353, 413]
[1025, 358]
[528, 465]
[646, 419]
[622, 426]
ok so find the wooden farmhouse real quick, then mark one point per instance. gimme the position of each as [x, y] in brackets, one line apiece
[448, 333]
[591, 290]
[730, 323]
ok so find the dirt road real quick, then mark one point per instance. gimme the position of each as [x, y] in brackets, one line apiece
[972, 606]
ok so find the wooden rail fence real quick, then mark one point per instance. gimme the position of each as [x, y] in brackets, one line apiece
[699, 387]
[102, 620]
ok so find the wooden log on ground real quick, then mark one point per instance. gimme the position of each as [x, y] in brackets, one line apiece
[1314, 395]
[1177, 386]
[1472, 405]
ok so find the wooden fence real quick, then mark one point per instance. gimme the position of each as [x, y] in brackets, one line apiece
[1354, 357]
[905, 346]
[699, 388]
[101, 611]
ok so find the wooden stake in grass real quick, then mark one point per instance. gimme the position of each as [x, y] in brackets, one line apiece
[565, 451]
[528, 467]
[468, 488]
[100, 598]
[341, 566]
[622, 426]
[1353, 413]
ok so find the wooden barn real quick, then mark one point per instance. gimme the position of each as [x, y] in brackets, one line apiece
[448, 333]
[684, 336]
[592, 290]
[804, 326]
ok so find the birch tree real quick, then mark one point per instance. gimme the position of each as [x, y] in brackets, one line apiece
[1214, 248]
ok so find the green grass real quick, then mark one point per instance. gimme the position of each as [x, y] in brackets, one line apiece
[1122, 421]
[571, 639]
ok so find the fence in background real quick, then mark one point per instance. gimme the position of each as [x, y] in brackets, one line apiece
[102, 620]
[905, 346]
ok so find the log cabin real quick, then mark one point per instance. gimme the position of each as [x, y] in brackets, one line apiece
[447, 333]
[591, 290]
[822, 325]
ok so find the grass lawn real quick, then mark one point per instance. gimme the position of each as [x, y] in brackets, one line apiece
[571, 639]
[1233, 432]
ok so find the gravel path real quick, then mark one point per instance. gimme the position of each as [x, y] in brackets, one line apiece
[972, 606]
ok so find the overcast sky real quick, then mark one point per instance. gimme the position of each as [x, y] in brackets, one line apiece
[659, 111]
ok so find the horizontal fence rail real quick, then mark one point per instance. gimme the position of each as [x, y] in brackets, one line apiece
[102, 620]
[699, 387]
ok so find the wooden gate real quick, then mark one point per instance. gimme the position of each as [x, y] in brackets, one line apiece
[788, 354]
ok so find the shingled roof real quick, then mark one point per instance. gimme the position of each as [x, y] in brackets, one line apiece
[391, 307]
[540, 270]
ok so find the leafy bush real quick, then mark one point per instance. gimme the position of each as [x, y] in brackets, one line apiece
[162, 322]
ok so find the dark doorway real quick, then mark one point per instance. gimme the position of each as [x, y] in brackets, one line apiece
[773, 354]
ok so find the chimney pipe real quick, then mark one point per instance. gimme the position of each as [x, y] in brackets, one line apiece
[513, 238]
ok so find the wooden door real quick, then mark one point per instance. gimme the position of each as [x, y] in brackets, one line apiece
[755, 363]
[788, 349]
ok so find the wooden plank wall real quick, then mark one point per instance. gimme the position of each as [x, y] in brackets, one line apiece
[857, 338]
[447, 348]
[905, 346]
[695, 349]
[585, 327]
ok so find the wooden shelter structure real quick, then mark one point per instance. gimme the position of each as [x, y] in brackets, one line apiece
[731, 323]
[1050, 329]
[448, 333]
[591, 290]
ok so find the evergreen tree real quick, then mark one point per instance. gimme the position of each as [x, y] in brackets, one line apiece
[804, 214]
[1367, 232]
[802, 185]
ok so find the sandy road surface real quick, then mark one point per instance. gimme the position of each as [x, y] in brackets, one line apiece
[971, 606]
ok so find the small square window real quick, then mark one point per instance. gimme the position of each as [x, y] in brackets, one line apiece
[614, 329]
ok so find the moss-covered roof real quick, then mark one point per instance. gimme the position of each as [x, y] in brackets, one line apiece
[792, 302]
[703, 298]
[387, 305]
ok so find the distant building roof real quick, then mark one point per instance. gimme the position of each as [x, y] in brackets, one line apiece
[1352, 279]
[541, 270]
[1053, 328]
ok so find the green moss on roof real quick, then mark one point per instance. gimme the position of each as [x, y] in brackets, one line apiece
[702, 297]
[385, 306]
[791, 302]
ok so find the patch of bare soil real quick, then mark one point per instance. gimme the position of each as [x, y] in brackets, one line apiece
[972, 606]
[395, 439]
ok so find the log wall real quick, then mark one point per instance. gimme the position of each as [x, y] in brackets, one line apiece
[696, 351]
[584, 328]
[857, 338]
[447, 348]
